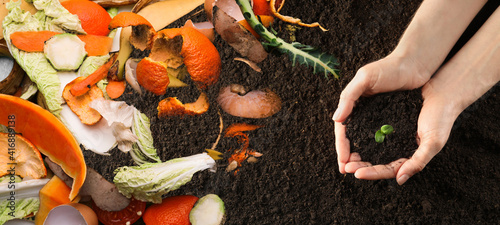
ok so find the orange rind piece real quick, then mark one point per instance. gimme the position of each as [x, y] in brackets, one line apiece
[153, 75]
[42, 128]
[142, 30]
[173, 107]
[201, 58]
[25, 156]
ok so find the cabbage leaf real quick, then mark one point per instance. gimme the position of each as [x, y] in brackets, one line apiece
[150, 181]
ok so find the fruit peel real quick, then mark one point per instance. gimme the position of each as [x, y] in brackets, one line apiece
[41, 128]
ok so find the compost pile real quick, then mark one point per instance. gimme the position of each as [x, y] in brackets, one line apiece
[296, 181]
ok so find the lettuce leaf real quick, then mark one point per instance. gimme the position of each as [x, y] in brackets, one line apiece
[21, 209]
[143, 151]
[25, 198]
[150, 181]
[51, 16]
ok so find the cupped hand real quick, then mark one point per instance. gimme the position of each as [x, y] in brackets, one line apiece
[434, 126]
[388, 74]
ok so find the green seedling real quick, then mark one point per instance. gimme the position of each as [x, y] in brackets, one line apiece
[384, 130]
[304, 54]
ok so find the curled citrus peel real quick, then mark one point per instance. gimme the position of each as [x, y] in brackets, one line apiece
[173, 107]
[26, 157]
[201, 58]
[153, 75]
[142, 30]
[170, 49]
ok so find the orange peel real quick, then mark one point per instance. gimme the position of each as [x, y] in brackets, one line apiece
[201, 58]
[142, 30]
[26, 157]
[153, 75]
[173, 107]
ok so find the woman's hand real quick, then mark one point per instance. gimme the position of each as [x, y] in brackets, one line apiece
[460, 82]
[389, 74]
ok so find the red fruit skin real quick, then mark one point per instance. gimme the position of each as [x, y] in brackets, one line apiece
[172, 211]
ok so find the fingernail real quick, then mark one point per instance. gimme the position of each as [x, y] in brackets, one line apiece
[402, 179]
[336, 115]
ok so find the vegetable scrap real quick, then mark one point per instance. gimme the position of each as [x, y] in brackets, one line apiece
[208, 210]
[31, 41]
[67, 153]
[119, 117]
[129, 215]
[34, 41]
[150, 181]
[172, 210]
[81, 87]
[241, 154]
[143, 151]
[304, 54]
[290, 19]
[237, 101]
[27, 200]
[53, 194]
[115, 88]
[80, 105]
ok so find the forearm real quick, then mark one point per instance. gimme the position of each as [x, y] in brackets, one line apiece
[434, 30]
[473, 70]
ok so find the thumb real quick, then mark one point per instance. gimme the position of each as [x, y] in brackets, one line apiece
[351, 94]
[418, 161]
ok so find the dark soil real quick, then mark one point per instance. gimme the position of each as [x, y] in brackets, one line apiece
[297, 180]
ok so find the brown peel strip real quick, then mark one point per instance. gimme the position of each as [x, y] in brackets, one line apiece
[114, 3]
[252, 64]
[290, 19]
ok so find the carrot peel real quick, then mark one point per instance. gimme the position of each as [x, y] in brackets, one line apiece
[34, 41]
[115, 89]
[84, 85]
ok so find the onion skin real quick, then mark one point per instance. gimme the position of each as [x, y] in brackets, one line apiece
[255, 104]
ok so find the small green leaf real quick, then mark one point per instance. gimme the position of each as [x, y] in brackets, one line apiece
[379, 137]
[387, 129]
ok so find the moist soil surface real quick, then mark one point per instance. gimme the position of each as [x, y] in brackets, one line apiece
[297, 181]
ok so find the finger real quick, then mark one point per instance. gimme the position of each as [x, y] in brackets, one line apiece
[379, 172]
[352, 167]
[354, 157]
[350, 95]
[342, 146]
[417, 162]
